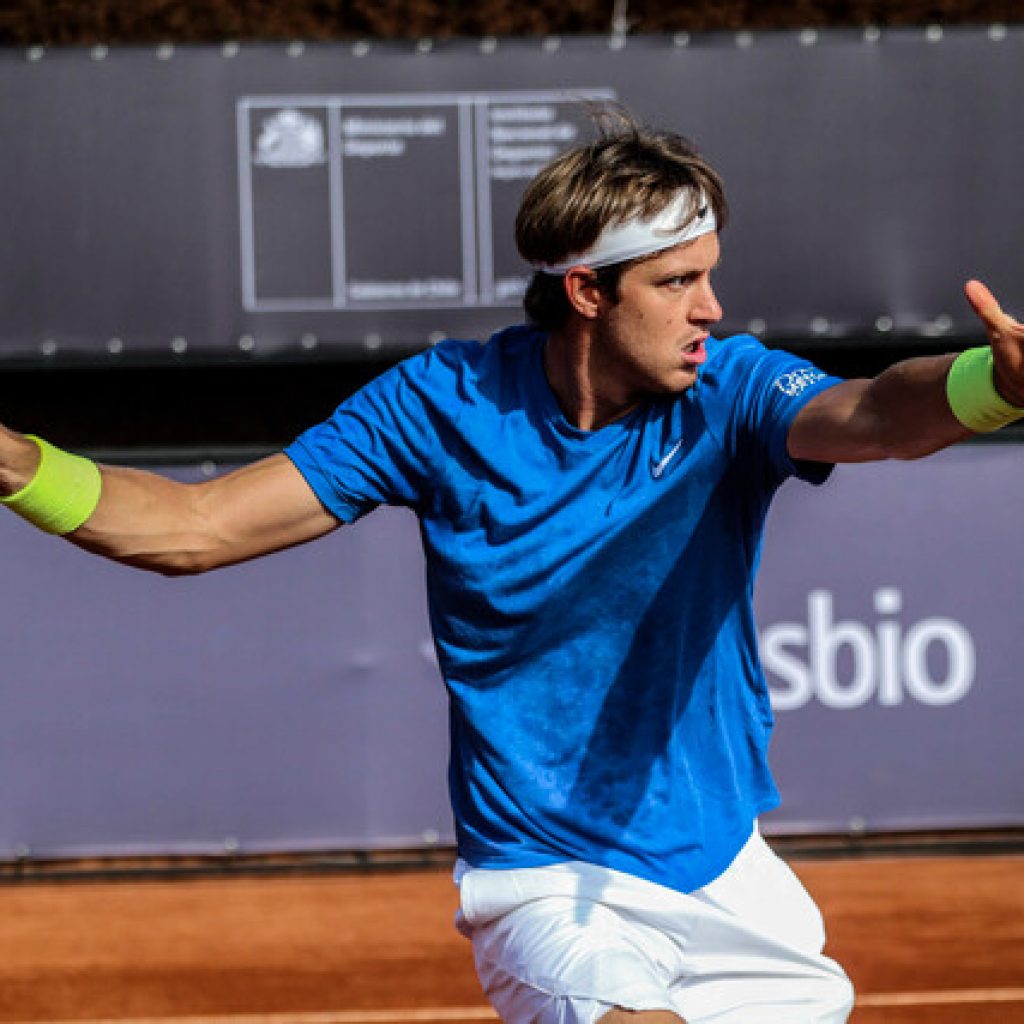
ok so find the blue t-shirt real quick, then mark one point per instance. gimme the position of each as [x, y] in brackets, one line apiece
[590, 594]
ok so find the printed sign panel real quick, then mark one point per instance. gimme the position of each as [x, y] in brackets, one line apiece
[376, 243]
[294, 703]
[276, 200]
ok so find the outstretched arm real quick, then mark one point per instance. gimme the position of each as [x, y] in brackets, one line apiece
[904, 412]
[149, 521]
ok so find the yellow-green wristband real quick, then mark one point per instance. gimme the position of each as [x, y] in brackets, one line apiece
[63, 493]
[972, 395]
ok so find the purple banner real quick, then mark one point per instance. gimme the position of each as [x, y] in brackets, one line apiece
[294, 704]
[290, 703]
[889, 605]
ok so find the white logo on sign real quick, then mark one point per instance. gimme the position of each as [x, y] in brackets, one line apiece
[290, 139]
[797, 381]
[847, 664]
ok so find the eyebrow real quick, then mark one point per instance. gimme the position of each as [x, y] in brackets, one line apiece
[687, 271]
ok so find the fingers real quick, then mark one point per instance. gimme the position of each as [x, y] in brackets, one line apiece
[982, 300]
[997, 323]
[1006, 337]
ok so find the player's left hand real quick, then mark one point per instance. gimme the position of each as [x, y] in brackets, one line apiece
[1006, 336]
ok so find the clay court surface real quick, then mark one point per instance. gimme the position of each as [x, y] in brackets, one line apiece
[928, 940]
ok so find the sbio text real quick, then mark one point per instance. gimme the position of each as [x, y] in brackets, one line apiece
[847, 664]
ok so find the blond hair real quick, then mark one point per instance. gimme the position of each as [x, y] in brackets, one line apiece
[628, 172]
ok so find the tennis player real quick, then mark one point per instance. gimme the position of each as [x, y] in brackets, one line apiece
[591, 488]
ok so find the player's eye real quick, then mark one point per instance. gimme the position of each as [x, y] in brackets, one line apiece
[679, 280]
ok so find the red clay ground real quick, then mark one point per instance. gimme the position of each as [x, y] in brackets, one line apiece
[926, 941]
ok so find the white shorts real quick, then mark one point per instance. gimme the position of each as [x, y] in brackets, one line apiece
[564, 944]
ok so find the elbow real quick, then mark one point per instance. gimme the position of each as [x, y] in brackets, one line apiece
[907, 453]
[170, 567]
[173, 563]
[885, 449]
[909, 443]
[180, 567]
[916, 448]
[891, 453]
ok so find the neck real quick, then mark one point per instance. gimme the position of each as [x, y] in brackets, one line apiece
[574, 376]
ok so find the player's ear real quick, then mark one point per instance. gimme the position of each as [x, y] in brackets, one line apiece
[582, 291]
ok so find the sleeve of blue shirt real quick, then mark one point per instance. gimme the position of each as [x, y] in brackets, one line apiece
[379, 446]
[755, 394]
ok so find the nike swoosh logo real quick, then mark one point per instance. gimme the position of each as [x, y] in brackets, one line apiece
[658, 468]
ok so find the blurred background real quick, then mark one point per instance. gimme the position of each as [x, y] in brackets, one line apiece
[66, 127]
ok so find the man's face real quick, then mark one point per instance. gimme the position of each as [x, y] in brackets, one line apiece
[651, 341]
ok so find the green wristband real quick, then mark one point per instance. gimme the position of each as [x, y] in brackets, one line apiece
[63, 493]
[972, 394]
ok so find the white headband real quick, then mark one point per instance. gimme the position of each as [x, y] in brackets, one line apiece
[634, 238]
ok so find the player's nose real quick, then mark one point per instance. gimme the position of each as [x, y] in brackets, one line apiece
[706, 309]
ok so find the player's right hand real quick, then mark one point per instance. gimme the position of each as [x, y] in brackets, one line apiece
[19, 459]
[1006, 336]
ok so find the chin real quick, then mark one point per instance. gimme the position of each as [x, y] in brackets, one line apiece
[679, 382]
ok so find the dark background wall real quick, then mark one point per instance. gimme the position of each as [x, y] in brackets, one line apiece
[72, 22]
[193, 403]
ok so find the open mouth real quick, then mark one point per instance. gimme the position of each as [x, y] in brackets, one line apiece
[695, 352]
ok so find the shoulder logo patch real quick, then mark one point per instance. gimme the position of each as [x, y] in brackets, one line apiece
[795, 382]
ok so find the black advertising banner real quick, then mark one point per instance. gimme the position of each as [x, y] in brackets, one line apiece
[347, 198]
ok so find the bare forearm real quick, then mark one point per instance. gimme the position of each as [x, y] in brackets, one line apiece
[903, 413]
[151, 522]
[141, 519]
[911, 409]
